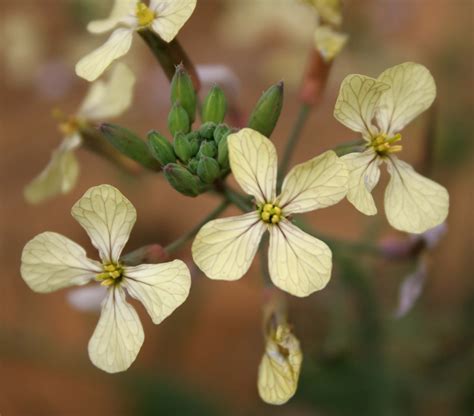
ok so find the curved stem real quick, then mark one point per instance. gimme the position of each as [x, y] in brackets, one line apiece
[175, 245]
[293, 140]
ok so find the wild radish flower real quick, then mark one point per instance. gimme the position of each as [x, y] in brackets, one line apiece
[103, 100]
[379, 109]
[298, 263]
[51, 261]
[164, 17]
[280, 366]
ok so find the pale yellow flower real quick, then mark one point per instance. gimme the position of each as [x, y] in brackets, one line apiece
[379, 109]
[164, 17]
[298, 263]
[51, 261]
[103, 100]
[280, 366]
[329, 42]
[329, 11]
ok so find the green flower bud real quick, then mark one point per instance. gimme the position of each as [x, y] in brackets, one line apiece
[182, 91]
[222, 130]
[267, 111]
[215, 106]
[161, 148]
[178, 120]
[193, 165]
[208, 149]
[194, 142]
[130, 145]
[182, 179]
[182, 147]
[223, 154]
[206, 131]
[208, 169]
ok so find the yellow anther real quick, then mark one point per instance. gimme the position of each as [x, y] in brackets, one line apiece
[265, 216]
[115, 274]
[384, 145]
[275, 219]
[110, 268]
[144, 15]
[277, 210]
[268, 208]
[395, 149]
[108, 282]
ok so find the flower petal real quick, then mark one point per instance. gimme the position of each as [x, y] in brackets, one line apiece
[60, 174]
[298, 263]
[109, 99]
[279, 369]
[413, 203]
[160, 287]
[317, 183]
[329, 42]
[119, 11]
[412, 91]
[91, 66]
[88, 298]
[364, 174]
[51, 261]
[224, 248]
[357, 101]
[108, 217]
[171, 17]
[254, 163]
[118, 336]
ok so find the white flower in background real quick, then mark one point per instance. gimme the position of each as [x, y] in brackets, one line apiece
[298, 263]
[164, 17]
[103, 100]
[329, 42]
[51, 261]
[413, 203]
[280, 366]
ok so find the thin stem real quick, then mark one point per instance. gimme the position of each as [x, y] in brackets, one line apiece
[349, 147]
[240, 201]
[175, 245]
[293, 140]
[263, 249]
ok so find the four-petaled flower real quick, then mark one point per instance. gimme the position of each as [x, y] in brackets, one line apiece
[298, 263]
[51, 261]
[103, 100]
[164, 17]
[413, 203]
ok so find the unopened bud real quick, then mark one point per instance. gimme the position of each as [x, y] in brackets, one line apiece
[161, 148]
[178, 120]
[194, 142]
[193, 165]
[182, 91]
[208, 169]
[223, 154]
[182, 180]
[215, 106]
[182, 147]
[207, 149]
[267, 110]
[206, 131]
[222, 130]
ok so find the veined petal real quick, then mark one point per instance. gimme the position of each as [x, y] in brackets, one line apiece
[279, 369]
[111, 98]
[318, 183]
[298, 263]
[412, 91]
[51, 261]
[88, 298]
[329, 42]
[224, 248]
[413, 203]
[357, 101]
[60, 174]
[253, 160]
[120, 10]
[91, 66]
[171, 17]
[160, 287]
[108, 217]
[118, 336]
[364, 174]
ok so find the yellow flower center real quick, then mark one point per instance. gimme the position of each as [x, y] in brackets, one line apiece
[270, 213]
[384, 145]
[67, 125]
[144, 15]
[112, 274]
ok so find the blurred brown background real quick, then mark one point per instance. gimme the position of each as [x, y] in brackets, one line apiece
[204, 358]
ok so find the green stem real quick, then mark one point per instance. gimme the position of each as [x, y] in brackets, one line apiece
[293, 140]
[175, 245]
[264, 261]
[237, 199]
[350, 147]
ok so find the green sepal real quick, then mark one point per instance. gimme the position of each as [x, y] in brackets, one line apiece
[182, 147]
[160, 148]
[182, 179]
[193, 164]
[267, 110]
[206, 131]
[208, 149]
[178, 120]
[130, 145]
[221, 130]
[208, 169]
[182, 91]
[223, 154]
[215, 106]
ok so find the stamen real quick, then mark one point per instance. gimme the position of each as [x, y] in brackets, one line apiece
[144, 15]
[111, 275]
[270, 213]
[383, 145]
